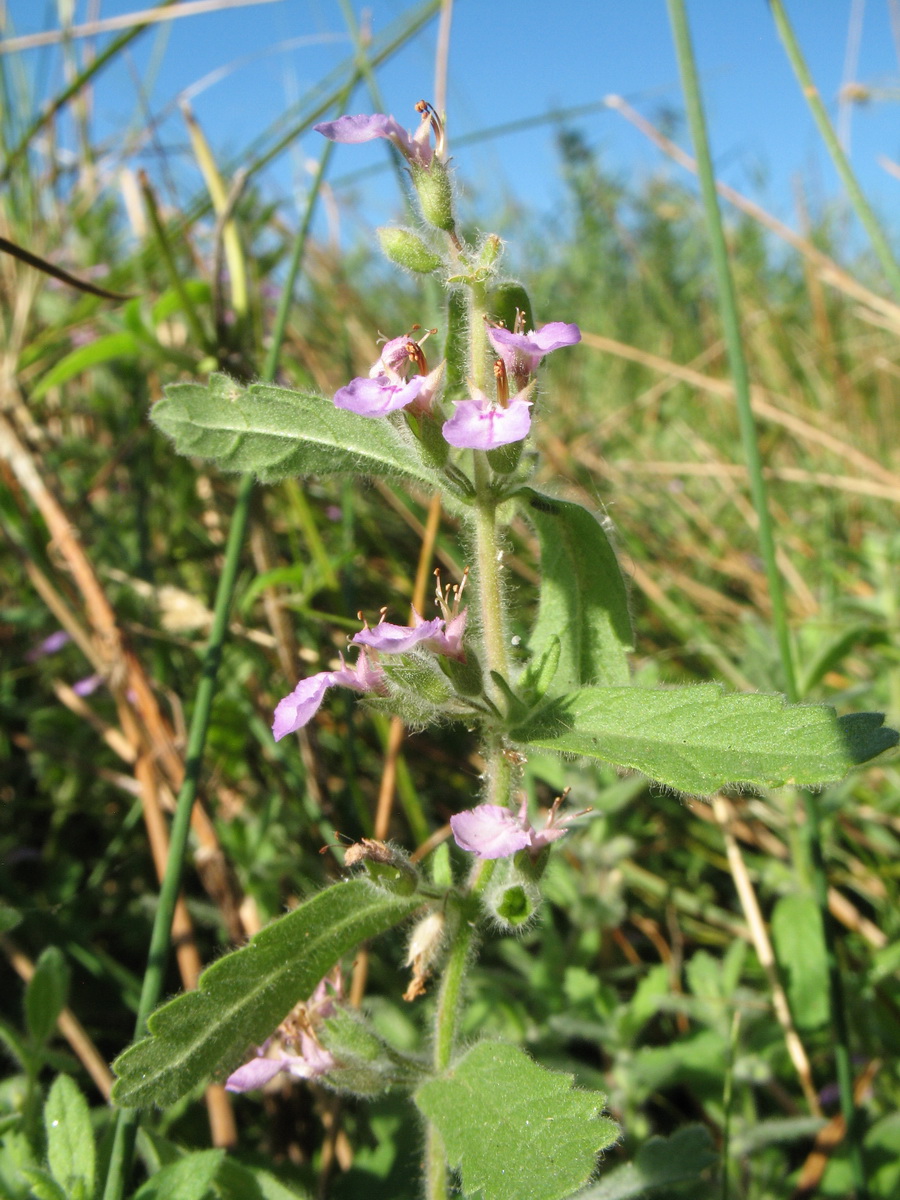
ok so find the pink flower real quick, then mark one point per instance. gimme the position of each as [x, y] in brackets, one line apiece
[398, 639]
[295, 1033]
[522, 352]
[491, 831]
[379, 396]
[415, 147]
[483, 424]
[50, 645]
[297, 709]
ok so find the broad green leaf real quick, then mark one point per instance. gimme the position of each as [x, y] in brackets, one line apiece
[45, 996]
[800, 950]
[700, 739]
[241, 998]
[515, 1131]
[104, 349]
[191, 1178]
[70, 1136]
[661, 1162]
[583, 600]
[275, 432]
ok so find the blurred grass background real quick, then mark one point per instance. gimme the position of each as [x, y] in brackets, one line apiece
[645, 952]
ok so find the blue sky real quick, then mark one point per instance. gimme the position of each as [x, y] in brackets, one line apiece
[511, 60]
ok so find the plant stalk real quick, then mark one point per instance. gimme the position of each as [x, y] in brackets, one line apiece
[731, 327]
[128, 1119]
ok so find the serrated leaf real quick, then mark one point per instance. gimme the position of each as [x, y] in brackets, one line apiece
[583, 598]
[661, 1162]
[70, 1136]
[45, 996]
[191, 1178]
[700, 739]
[800, 950]
[515, 1131]
[274, 432]
[241, 998]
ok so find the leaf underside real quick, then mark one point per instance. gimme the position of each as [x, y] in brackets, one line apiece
[241, 999]
[699, 739]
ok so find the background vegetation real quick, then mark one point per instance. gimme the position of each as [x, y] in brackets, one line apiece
[647, 975]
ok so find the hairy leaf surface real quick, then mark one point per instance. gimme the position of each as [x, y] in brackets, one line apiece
[583, 602]
[699, 739]
[275, 432]
[241, 999]
[515, 1130]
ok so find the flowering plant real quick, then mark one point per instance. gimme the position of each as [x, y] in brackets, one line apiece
[569, 692]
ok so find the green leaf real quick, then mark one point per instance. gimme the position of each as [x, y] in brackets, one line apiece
[515, 1131]
[70, 1136]
[367, 1064]
[275, 432]
[583, 598]
[105, 349]
[700, 739]
[45, 996]
[9, 918]
[44, 1186]
[246, 1181]
[242, 998]
[660, 1162]
[191, 1178]
[800, 949]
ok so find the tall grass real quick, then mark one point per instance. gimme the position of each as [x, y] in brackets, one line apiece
[650, 945]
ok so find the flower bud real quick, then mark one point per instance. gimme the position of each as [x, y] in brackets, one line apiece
[387, 867]
[435, 193]
[512, 897]
[506, 302]
[491, 249]
[407, 249]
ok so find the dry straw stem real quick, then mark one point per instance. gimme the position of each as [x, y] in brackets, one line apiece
[826, 268]
[830, 1137]
[150, 738]
[762, 407]
[760, 937]
[68, 1024]
[146, 16]
[840, 907]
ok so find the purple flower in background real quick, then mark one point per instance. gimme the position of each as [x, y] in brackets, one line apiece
[415, 147]
[88, 685]
[483, 424]
[50, 645]
[379, 396]
[293, 1048]
[297, 709]
[491, 831]
[522, 352]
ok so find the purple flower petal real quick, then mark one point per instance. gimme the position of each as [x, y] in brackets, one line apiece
[379, 396]
[88, 685]
[50, 645]
[480, 424]
[490, 831]
[364, 127]
[295, 710]
[522, 352]
[254, 1074]
[397, 639]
